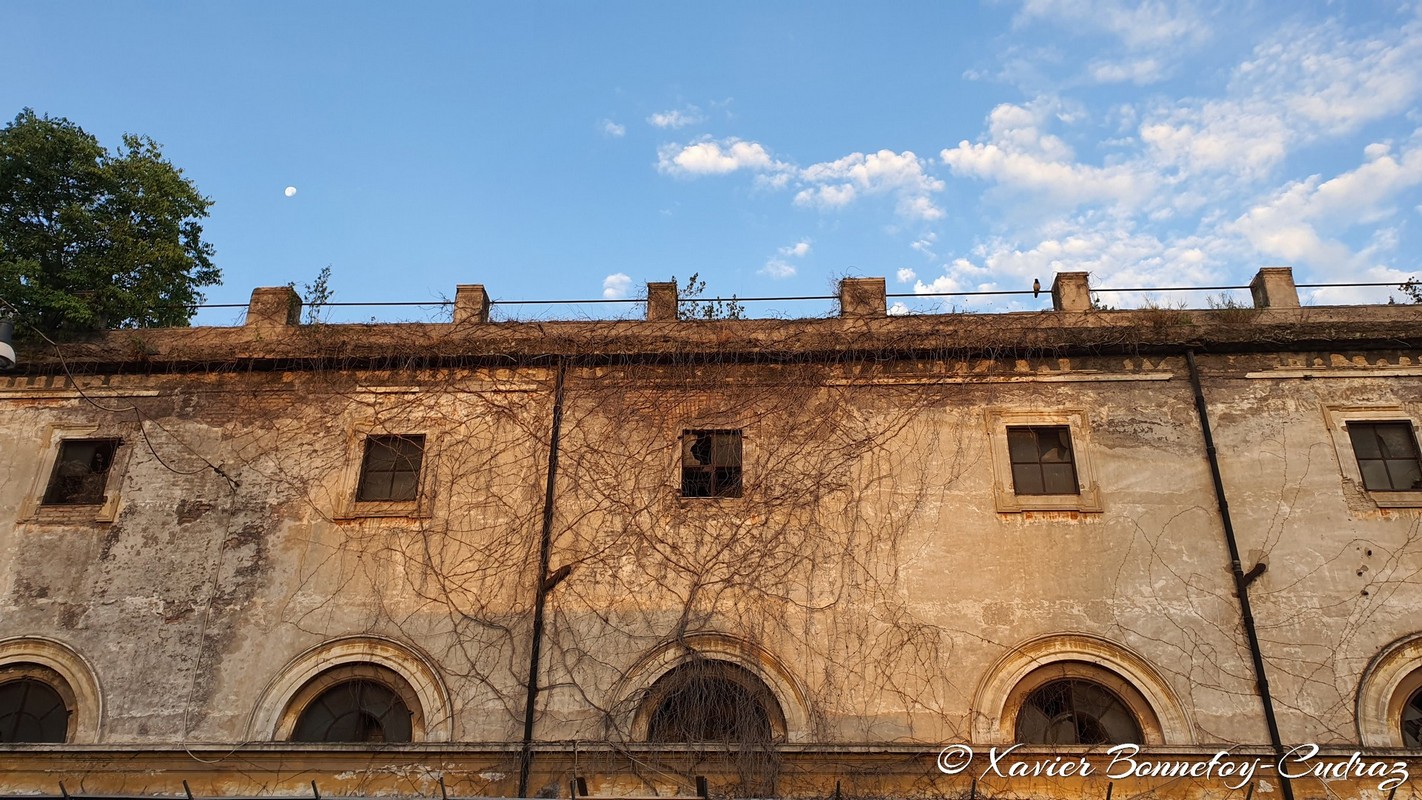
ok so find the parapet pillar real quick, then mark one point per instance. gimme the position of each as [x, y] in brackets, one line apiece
[1273, 287]
[862, 297]
[661, 301]
[471, 303]
[1071, 292]
[273, 307]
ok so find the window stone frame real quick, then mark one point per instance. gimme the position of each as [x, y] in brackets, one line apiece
[632, 714]
[1005, 497]
[1338, 417]
[348, 507]
[35, 510]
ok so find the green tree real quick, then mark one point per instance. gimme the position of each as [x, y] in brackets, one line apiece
[1413, 289]
[92, 239]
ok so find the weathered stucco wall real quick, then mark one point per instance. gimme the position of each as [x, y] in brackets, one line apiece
[875, 574]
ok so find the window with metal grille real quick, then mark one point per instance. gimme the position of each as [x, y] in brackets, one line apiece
[31, 711]
[1042, 460]
[1387, 456]
[1075, 712]
[712, 701]
[355, 711]
[390, 471]
[80, 472]
[711, 464]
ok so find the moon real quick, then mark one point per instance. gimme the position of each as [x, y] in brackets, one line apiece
[290, 191]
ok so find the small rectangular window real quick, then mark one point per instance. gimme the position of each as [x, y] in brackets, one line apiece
[390, 471]
[1042, 460]
[1387, 456]
[81, 472]
[711, 464]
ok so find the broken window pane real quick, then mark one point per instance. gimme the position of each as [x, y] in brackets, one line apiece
[80, 472]
[1042, 460]
[711, 464]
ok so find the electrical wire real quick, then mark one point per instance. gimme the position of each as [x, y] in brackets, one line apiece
[232, 483]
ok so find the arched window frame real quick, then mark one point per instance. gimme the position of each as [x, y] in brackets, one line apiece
[1384, 688]
[65, 671]
[370, 657]
[1035, 662]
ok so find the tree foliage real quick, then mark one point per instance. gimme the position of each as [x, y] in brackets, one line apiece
[91, 238]
[315, 295]
[1413, 289]
[692, 306]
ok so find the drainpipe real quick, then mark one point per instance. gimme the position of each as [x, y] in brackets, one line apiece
[1241, 582]
[540, 597]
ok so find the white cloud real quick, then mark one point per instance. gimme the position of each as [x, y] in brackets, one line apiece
[712, 157]
[1332, 81]
[1192, 190]
[1063, 182]
[616, 286]
[1019, 153]
[778, 268]
[826, 196]
[1287, 225]
[941, 284]
[837, 183]
[1218, 136]
[825, 185]
[906, 275]
[1301, 85]
[677, 118]
[1138, 26]
[1115, 254]
[898, 309]
[924, 244]
[616, 131]
[1140, 71]
[1020, 128]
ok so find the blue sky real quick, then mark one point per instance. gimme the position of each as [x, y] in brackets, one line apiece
[574, 150]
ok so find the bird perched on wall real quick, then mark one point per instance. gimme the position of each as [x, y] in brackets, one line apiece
[1036, 287]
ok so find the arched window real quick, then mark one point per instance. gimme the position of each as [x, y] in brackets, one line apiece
[355, 711]
[1075, 712]
[1412, 720]
[32, 706]
[712, 701]
[356, 703]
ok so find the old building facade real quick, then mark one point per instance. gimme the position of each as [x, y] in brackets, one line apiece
[786, 557]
